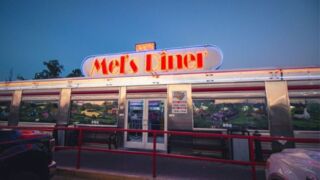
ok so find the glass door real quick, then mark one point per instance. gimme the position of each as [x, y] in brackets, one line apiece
[156, 112]
[145, 114]
[135, 115]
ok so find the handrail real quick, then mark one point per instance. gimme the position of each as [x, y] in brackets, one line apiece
[156, 154]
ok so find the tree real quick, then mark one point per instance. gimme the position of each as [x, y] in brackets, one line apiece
[9, 79]
[54, 69]
[19, 77]
[75, 73]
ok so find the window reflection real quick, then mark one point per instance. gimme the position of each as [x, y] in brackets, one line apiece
[4, 110]
[223, 113]
[305, 113]
[39, 111]
[135, 118]
[94, 112]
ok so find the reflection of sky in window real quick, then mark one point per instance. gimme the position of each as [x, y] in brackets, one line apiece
[4, 107]
[239, 101]
[136, 105]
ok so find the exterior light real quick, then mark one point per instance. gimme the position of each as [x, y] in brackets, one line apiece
[145, 46]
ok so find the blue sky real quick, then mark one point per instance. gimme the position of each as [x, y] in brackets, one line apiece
[251, 33]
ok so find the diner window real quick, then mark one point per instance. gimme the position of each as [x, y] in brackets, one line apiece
[305, 113]
[226, 113]
[94, 112]
[4, 110]
[39, 111]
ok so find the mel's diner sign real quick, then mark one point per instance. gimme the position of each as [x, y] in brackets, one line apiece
[156, 62]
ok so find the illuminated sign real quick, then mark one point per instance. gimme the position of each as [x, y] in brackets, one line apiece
[145, 46]
[167, 61]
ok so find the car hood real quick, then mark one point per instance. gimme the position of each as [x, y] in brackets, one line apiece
[298, 162]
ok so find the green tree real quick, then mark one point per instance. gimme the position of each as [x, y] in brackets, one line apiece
[75, 73]
[53, 70]
[19, 77]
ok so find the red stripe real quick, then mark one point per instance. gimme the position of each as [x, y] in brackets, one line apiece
[306, 87]
[6, 94]
[41, 93]
[96, 92]
[257, 88]
[147, 91]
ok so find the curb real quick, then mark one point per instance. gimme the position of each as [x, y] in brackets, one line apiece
[95, 175]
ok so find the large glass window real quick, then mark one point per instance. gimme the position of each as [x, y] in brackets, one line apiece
[224, 113]
[305, 113]
[4, 110]
[94, 112]
[39, 111]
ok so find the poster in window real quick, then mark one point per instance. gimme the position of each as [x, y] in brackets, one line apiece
[179, 102]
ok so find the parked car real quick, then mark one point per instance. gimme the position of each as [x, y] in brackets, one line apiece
[294, 164]
[26, 154]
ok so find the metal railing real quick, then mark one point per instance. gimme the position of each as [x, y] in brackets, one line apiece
[154, 153]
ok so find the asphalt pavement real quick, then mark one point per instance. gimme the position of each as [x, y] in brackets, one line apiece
[141, 166]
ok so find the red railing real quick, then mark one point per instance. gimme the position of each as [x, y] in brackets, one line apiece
[156, 154]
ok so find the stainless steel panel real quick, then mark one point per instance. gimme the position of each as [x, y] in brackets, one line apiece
[301, 83]
[235, 76]
[146, 87]
[304, 93]
[307, 134]
[37, 96]
[224, 85]
[122, 107]
[146, 94]
[301, 73]
[95, 89]
[95, 96]
[279, 111]
[14, 109]
[180, 121]
[53, 90]
[6, 98]
[64, 106]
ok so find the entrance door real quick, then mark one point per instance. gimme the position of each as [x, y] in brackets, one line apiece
[146, 114]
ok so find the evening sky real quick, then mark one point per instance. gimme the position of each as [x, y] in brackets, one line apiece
[250, 33]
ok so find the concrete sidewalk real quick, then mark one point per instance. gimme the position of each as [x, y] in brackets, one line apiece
[136, 166]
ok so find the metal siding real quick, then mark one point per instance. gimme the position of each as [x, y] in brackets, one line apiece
[180, 121]
[64, 106]
[14, 110]
[280, 123]
[122, 107]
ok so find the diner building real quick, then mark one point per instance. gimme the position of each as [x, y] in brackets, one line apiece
[178, 89]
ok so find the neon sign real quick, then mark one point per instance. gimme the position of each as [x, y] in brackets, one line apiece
[168, 61]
